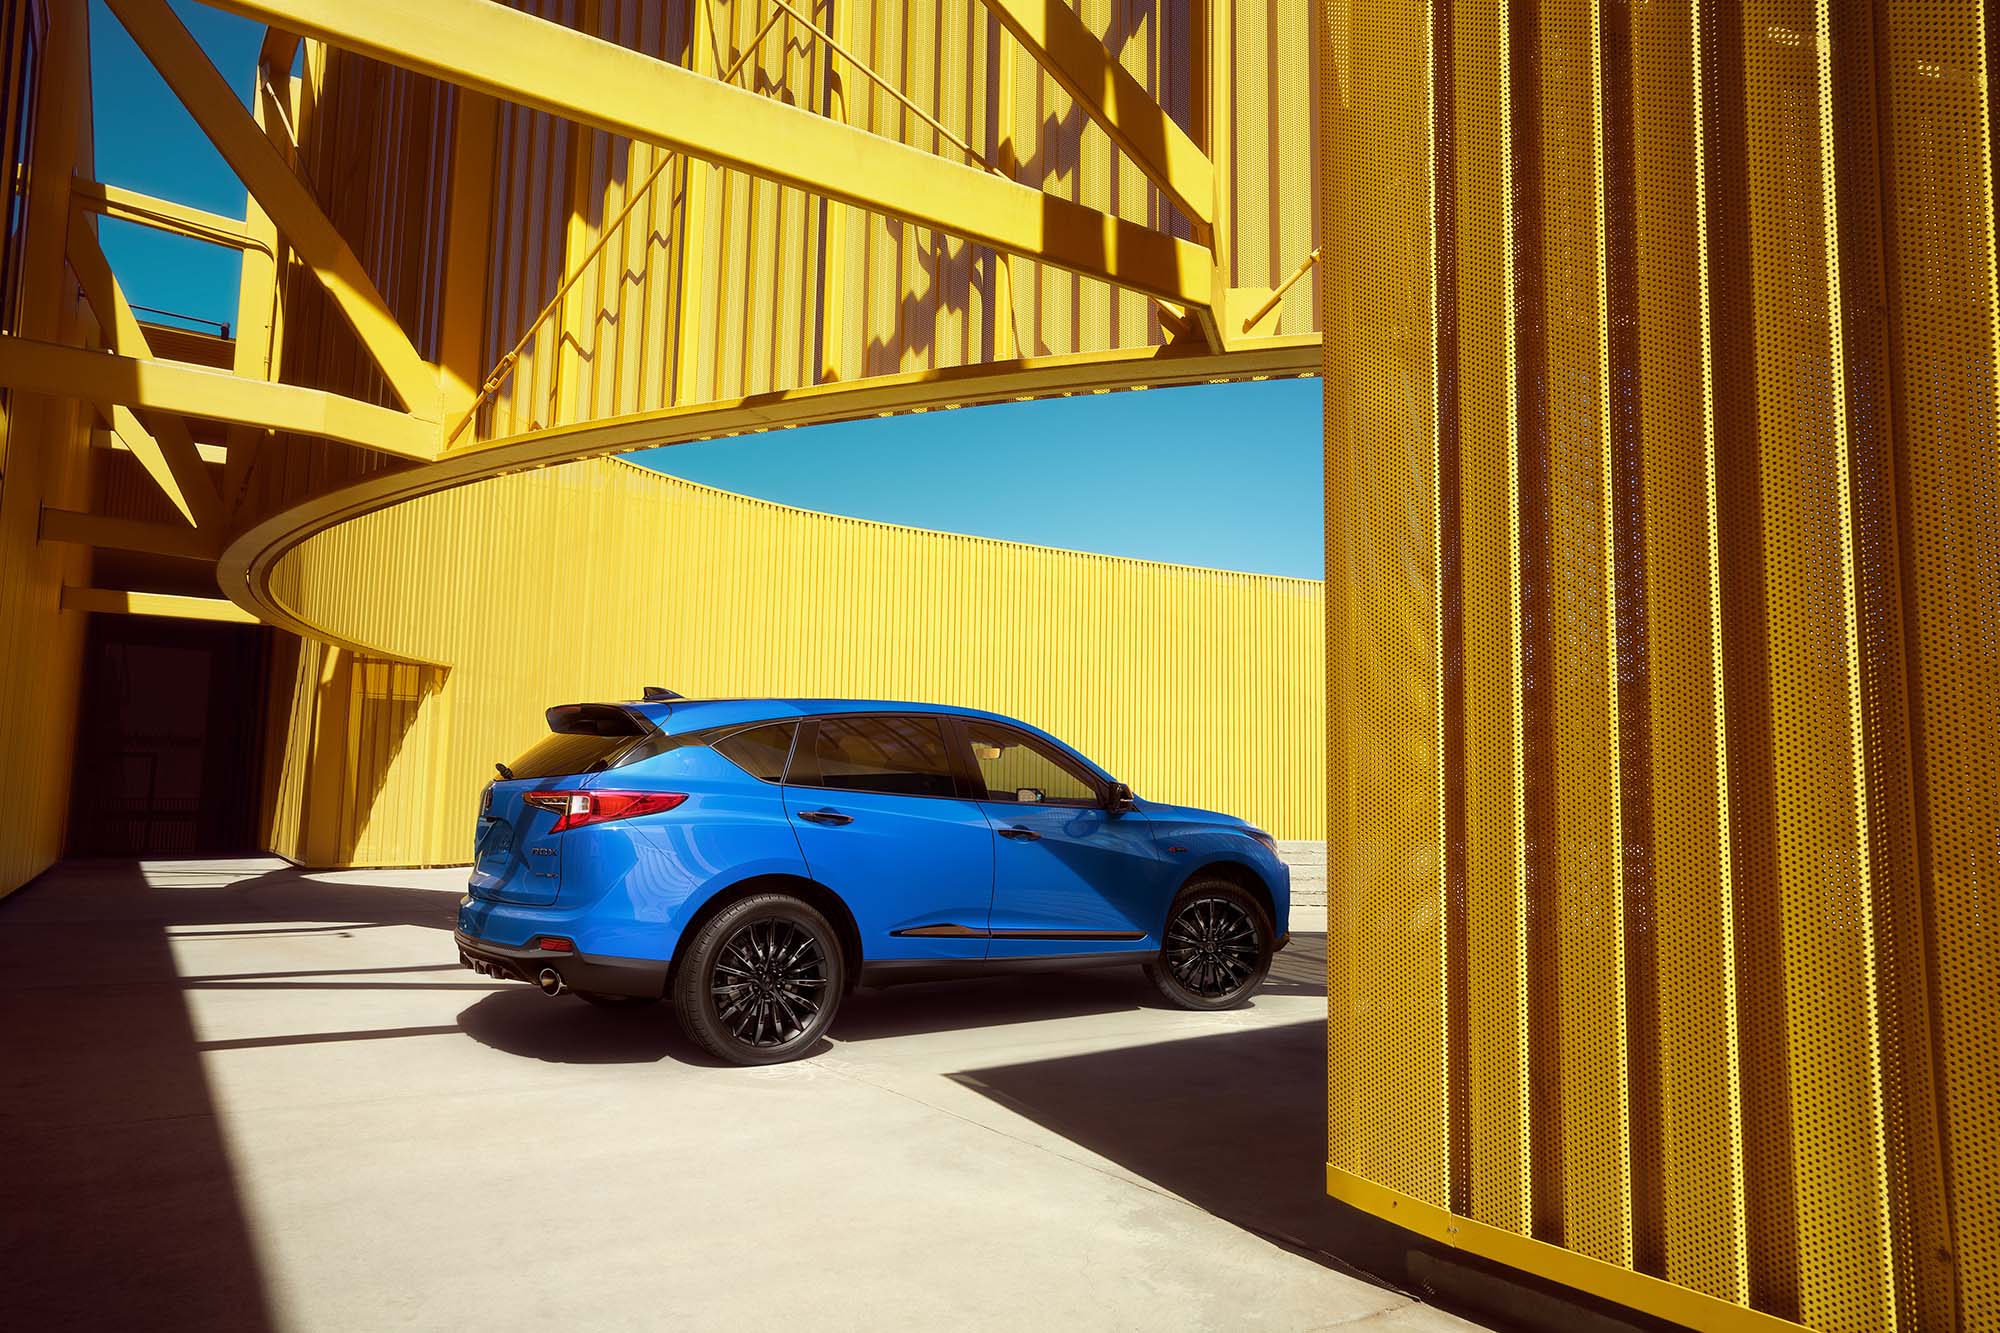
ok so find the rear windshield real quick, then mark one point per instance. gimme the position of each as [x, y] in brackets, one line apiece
[560, 754]
[582, 737]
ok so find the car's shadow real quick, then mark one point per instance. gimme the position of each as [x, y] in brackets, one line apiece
[521, 1021]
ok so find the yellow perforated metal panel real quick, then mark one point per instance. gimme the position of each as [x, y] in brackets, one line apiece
[1715, 340]
[1386, 943]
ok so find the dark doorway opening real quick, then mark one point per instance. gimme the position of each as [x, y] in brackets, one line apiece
[166, 738]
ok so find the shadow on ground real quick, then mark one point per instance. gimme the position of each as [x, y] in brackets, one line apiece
[120, 1207]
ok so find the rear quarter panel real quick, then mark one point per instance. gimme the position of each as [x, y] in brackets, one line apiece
[642, 881]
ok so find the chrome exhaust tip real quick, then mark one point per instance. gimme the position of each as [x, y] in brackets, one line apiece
[550, 981]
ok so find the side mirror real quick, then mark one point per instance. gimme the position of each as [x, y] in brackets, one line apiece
[1119, 799]
[1027, 795]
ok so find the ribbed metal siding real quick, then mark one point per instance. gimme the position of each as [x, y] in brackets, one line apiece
[720, 285]
[44, 455]
[1664, 647]
[590, 580]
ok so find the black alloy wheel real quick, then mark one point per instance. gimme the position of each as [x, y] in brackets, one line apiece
[768, 982]
[760, 982]
[1217, 947]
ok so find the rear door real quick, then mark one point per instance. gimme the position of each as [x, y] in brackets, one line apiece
[881, 821]
[516, 858]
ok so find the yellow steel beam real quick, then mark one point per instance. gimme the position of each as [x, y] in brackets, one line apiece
[128, 534]
[1077, 61]
[517, 57]
[122, 421]
[120, 602]
[115, 201]
[275, 56]
[212, 395]
[1614, 1282]
[466, 268]
[193, 493]
[245, 569]
[263, 171]
[131, 434]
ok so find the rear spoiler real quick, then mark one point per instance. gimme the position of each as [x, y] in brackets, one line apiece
[595, 720]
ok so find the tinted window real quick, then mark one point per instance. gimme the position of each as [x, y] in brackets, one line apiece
[761, 751]
[566, 753]
[904, 756]
[1012, 763]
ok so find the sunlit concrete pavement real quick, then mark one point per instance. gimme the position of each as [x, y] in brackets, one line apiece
[242, 1096]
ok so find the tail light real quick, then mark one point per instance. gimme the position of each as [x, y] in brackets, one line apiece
[575, 809]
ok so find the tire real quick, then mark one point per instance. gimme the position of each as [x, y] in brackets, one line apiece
[744, 984]
[1216, 947]
[603, 1001]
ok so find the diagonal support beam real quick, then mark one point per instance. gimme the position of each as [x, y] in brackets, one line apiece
[121, 419]
[262, 169]
[1057, 39]
[128, 534]
[34, 366]
[129, 431]
[192, 491]
[519, 58]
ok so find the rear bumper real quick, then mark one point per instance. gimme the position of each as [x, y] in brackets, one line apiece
[604, 975]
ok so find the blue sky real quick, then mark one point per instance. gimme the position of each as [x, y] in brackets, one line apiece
[1220, 475]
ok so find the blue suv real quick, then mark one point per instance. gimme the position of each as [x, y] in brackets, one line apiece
[757, 858]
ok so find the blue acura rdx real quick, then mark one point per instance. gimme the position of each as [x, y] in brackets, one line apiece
[755, 859]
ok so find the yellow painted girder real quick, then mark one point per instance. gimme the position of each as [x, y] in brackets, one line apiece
[244, 571]
[212, 395]
[191, 490]
[115, 201]
[263, 171]
[117, 601]
[1076, 60]
[522, 59]
[115, 438]
[128, 534]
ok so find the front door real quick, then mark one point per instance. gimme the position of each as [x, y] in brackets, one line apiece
[1068, 876]
[882, 823]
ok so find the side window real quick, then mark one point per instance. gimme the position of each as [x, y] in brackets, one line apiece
[902, 756]
[761, 751]
[1017, 767]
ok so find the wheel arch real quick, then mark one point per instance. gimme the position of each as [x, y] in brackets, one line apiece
[829, 903]
[1244, 877]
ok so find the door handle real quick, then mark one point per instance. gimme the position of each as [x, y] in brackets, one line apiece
[826, 817]
[1019, 834]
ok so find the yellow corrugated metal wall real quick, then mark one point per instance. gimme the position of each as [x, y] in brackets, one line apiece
[719, 285]
[1663, 632]
[596, 578]
[630, 281]
[44, 442]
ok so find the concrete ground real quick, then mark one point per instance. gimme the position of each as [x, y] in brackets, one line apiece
[236, 1095]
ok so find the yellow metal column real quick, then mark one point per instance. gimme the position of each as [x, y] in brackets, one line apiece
[1939, 75]
[1496, 1021]
[1700, 1180]
[1386, 935]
